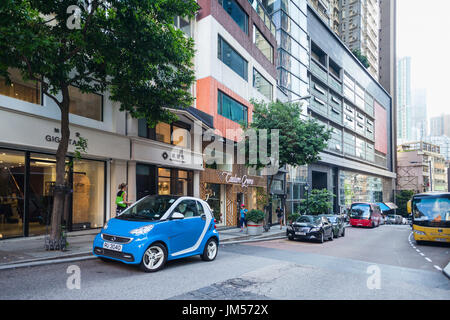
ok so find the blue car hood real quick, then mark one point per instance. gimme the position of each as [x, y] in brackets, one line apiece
[121, 227]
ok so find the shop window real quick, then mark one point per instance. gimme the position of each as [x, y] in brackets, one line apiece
[88, 105]
[164, 181]
[177, 133]
[12, 179]
[29, 91]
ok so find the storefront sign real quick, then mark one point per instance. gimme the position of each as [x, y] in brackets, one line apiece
[244, 181]
[56, 139]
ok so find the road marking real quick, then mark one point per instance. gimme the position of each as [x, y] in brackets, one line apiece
[417, 250]
[428, 259]
[437, 267]
[421, 254]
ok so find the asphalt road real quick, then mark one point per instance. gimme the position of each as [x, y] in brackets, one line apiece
[366, 264]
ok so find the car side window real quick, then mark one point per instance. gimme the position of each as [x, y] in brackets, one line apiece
[200, 208]
[188, 208]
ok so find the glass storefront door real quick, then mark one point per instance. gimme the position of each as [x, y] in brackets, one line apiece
[12, 180]
[88, 200]
[215, 197]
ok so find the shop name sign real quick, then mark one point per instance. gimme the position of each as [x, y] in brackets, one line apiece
[57, 139]
[244, 181]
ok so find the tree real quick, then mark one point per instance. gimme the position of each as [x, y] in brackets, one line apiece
[401, 200]
[299, 142]
[317, 202]
[362, 58]
[129, 48]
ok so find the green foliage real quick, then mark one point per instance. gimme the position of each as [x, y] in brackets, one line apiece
[317, 202]
[300, 141]
[362, 58]
[130, 48]
[293, 217]
[256, 216]
[401, 200]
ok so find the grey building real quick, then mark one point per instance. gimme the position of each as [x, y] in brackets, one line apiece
[358, 163]
[404, 101]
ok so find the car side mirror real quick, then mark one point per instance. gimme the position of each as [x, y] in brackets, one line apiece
[177, 216]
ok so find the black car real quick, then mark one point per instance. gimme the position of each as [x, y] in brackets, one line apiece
[317, 228]
[338, 224]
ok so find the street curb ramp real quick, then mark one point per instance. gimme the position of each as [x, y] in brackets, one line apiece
[446, 270]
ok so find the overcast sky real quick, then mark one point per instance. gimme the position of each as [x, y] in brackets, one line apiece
[424, 35]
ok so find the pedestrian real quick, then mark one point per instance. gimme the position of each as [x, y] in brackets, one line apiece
[122, 198]
[279, 212]
[243, 216]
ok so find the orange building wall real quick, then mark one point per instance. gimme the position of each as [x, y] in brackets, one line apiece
[207, 92]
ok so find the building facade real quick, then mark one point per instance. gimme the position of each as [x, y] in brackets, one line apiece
[359, 29]
[440, 125]
[235, 62]
[404, 101]
[346, 98]
[421, 167]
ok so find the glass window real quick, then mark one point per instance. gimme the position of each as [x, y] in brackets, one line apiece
[88, 194]
[188, 208]
[232, 59]
[23, 90]
[231, 109]
[88, 105]
[163, 132]
[262, 85]
[183, 24]
[163, 181]
[12, 179]
[262, 44]
[237, 13]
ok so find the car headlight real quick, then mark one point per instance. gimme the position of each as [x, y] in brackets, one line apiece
[289, 228]
[142, 230]
[314, 230]
[420, 233]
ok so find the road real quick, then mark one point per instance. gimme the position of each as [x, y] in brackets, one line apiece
[366, 264]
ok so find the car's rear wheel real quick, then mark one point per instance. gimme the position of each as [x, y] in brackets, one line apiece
[154, 258]
[210, 251]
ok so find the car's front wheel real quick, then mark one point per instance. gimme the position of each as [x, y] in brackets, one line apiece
[210, 251]
[154, 258]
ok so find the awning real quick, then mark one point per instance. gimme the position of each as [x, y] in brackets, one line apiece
[383, 206]
[391, 205]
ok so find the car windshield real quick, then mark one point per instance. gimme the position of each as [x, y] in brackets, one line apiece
[309, 219]
[360, 211]
[332, 219]
[148, 208]
[432, 209]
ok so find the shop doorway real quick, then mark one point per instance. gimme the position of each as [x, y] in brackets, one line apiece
[216, 198]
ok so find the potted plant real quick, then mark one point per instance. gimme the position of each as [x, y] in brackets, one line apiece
[255, 220]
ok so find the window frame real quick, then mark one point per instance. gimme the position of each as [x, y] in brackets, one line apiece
[220, 106]
[221, 40]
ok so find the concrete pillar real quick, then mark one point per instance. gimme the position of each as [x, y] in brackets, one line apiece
[132, 181]
[118, 176]
[196, 184]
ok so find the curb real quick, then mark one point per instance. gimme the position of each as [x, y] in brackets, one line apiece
[253, 240]
[45, 262]
[446, 270]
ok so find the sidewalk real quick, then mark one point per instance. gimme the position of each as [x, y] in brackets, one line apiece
[27, 252]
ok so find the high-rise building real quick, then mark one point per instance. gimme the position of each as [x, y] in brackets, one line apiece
[388, 45]
[359, 29]
[404, 99]
[329, 11]
[419, 114]
[440, 125]
[358, 164]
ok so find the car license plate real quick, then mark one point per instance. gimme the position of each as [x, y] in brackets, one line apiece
[112, 246]
[300, 234]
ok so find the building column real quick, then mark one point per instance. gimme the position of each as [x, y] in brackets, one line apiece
[196, 184]
[132, 192]
[118, 176]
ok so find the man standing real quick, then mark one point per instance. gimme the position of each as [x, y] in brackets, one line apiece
[279, 212]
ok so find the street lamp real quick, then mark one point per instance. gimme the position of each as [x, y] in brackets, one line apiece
[301, 98]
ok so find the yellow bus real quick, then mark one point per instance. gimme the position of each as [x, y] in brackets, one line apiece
[430, 216]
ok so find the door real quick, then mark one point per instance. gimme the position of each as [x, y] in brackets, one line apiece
[186, 232]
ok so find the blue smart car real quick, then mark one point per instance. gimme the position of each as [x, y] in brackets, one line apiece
[159, 228]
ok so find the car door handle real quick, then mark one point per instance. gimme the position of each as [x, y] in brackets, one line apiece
[203, 216]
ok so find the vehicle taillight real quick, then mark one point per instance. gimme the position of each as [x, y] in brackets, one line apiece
[215, 223]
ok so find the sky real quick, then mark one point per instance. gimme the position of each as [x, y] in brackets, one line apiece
[423, 33]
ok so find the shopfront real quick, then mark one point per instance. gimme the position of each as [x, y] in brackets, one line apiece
[226, 190]
[26, 193]
[357, 187]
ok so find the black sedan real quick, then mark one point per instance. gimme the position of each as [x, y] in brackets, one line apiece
[316, 228]
[338, 224]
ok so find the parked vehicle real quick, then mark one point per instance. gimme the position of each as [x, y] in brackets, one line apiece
[391, 219]
[308, 227]
[365, 215]
[338, 225]
[157, 229]
[398, 219]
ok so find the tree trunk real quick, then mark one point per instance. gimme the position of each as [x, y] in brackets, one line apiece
[60, 183]
[270, 197]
